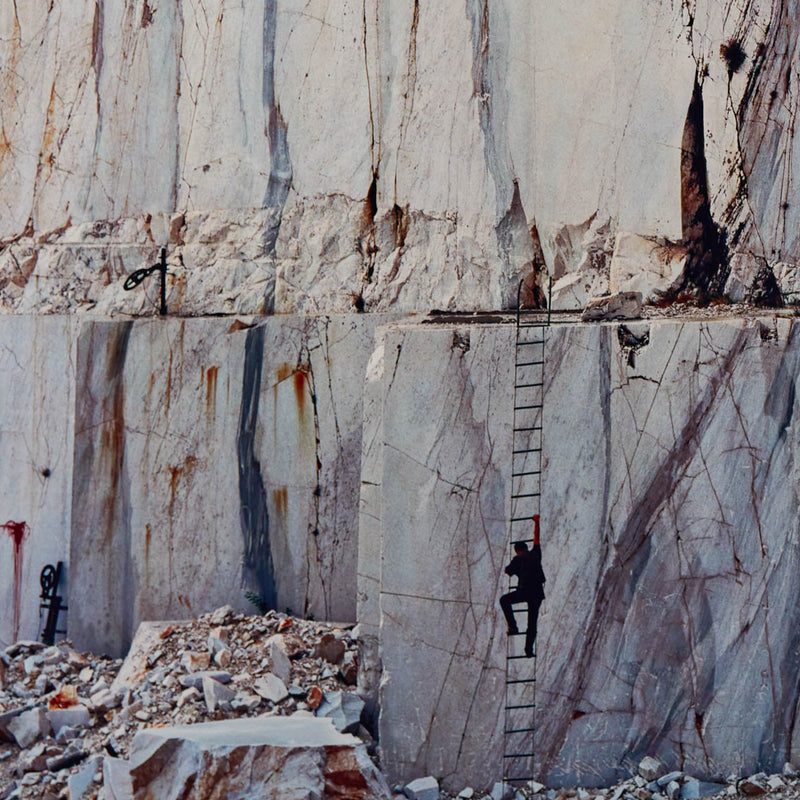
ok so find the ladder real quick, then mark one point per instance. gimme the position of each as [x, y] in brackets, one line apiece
[519, 726]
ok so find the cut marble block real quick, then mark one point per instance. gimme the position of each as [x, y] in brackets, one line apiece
[215, 458]
[669, 538]
[37, 376]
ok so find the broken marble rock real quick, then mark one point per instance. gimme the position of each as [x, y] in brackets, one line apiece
[422, 789]
[216, 694]
[29, 726]
[343, 709]
[276, 650]
[271, 688]
[330, 648]
[650, 768]
[266, 757]
[623, 305]
[348, 670]
[76, 716]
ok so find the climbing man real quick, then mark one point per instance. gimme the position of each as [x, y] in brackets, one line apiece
[527, 567]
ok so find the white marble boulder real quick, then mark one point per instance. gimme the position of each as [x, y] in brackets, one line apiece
[275, 758]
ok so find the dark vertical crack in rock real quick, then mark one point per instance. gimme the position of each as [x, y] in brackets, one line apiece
[259, 571]
[280, 169]
[707, 265]
[313, 542]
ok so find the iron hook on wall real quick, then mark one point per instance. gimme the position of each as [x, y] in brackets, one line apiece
[135, 278]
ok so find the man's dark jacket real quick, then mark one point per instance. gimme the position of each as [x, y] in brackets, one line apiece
[527, 566]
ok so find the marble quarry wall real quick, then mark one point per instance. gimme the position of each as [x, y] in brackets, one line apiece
[669, 540]
[329, 157]
[356, 467]
[179, 465]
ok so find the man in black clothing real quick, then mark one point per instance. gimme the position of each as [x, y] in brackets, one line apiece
[527, 567]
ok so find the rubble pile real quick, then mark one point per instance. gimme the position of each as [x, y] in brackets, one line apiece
[62, 712]
[275, 690]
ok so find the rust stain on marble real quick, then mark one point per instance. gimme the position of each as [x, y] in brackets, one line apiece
[185, 470]
[211, 393]
[17, 532]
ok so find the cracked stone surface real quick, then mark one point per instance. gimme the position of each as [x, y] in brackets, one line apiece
[669, 539]
[37, 381]
[309, 157]
[214, 459]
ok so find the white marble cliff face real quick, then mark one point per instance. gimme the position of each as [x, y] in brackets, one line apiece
[669, 540]
[399, 155]
[214, 459]
[37, 376]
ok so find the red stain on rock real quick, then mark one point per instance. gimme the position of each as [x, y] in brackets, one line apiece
[300, 390]
[18, 531]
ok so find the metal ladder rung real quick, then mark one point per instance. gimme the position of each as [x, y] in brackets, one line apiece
[528, 428]
[530, 364]
[519, 730]
[521, 680]
[518, 755]
[525, 705]
[513, 658]
[526, 450]
[521, 519]
[522, 408]
[526, 494]
[531, 472]
[523, 778]
[528, 385]
[534, 341]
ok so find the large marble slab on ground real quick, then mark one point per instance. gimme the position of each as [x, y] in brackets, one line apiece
[37, 383]
[214, 459]
[669, 530]
[399, 155]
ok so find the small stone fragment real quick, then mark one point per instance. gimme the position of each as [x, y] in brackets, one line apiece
[29, 726]
[78, 785]
[623, 305]
[422, 789]
[330, 649]
[349, 668]
[216, 694]
[271, 688]
[279, 659]
[221, 615]
[673, 790]
[76, 716]
[754, 785]
[196, 678]
[343, 708]
[649, 768]
[314, 698]
[195, 661]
